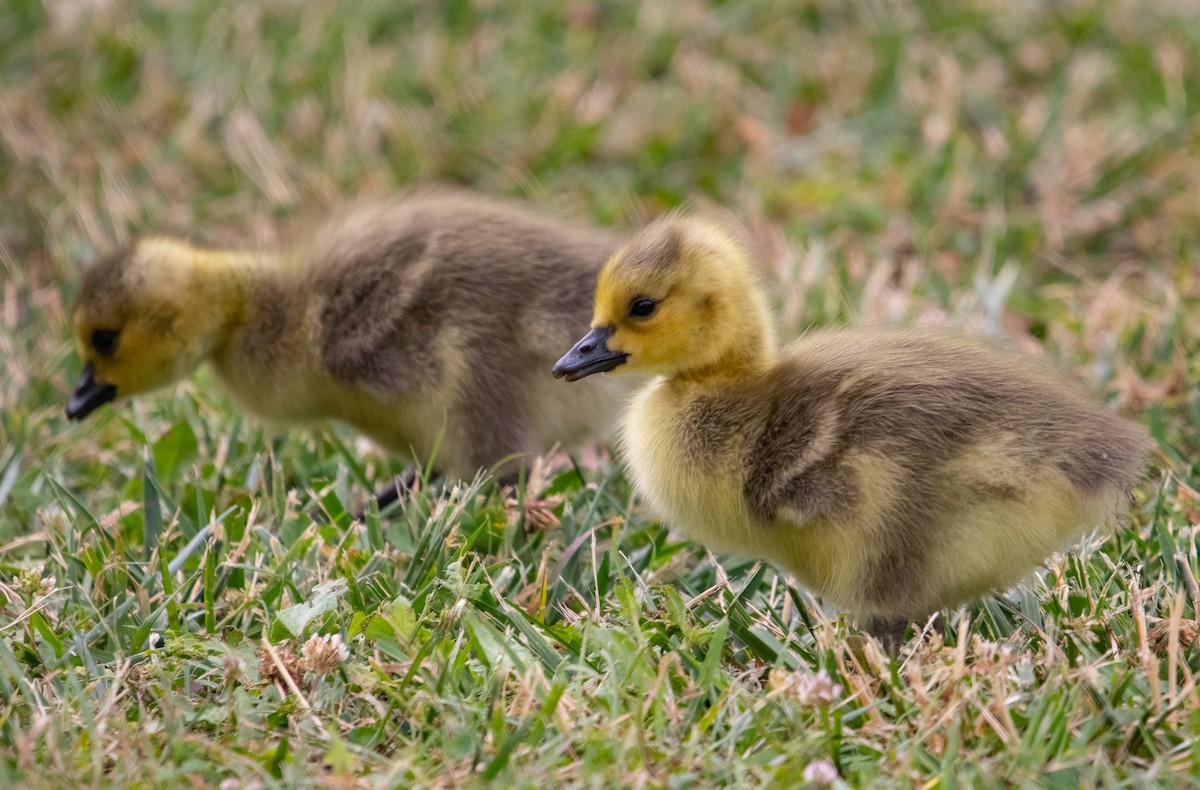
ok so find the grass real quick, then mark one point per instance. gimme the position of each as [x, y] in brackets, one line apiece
[1030, 170]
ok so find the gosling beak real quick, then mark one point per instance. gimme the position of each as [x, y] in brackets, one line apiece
[590, 355]
[89, 395]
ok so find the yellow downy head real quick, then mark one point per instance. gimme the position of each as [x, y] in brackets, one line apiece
[680, 299]
[148, 316]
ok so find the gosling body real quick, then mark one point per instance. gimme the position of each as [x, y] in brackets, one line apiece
[425, 322]
[894, 472]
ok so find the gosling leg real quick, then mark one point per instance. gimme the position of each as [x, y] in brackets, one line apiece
[400, 486]
[890, 631]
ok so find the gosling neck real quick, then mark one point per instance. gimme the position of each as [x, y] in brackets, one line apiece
[228, 277]
[237, 279]
[749, 347]
[221, 284]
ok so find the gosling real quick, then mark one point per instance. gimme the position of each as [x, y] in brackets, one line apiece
[893, 472]
[425, 322]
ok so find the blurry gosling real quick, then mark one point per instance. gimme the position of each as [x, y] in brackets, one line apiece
[893, 472]
[424, 322]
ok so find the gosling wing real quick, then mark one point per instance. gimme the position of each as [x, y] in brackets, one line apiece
[370, 330]
[913, 407]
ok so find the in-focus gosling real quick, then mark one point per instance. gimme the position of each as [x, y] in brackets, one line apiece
[894, 472]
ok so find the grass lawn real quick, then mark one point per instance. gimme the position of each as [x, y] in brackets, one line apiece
[1031, 169]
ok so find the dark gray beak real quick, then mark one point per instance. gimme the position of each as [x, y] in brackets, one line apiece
[590, 355]
[89, 395]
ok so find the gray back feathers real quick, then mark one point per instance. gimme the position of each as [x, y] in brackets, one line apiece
[394, 275]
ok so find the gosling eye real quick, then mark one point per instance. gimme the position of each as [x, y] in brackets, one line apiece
[642, 308]
[104, 341]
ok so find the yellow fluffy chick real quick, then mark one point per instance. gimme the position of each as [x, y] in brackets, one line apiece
[893, 472]
[420, 320]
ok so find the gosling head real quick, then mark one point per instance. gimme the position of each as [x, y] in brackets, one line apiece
[143, 319]
[681, 298]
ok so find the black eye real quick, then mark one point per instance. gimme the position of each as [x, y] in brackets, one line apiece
[642, 308]
[104, 341]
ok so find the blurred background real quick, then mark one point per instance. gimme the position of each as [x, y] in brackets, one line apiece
[1032, 164]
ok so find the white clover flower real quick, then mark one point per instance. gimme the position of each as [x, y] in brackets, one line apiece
[320, 655]
[806, 688]
[235, 669]
[31, 585]
[821, 773]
